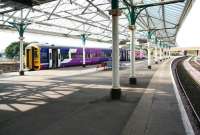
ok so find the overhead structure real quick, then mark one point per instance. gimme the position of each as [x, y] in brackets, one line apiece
[68, 17]
[72, 18]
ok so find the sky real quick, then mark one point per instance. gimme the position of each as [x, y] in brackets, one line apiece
[188, 35]
[6, 37]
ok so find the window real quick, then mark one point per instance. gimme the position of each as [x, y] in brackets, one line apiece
[73, 55]
[35, 53]
[87, 55]
[44, 57]
[64, 55]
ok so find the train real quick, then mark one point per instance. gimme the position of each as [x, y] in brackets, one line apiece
[44, 56]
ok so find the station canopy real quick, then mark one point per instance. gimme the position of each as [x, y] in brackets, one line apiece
[71, 18]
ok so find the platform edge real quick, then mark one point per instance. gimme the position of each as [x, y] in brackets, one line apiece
[186, 122]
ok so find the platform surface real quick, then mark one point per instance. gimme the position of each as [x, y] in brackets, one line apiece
[157, 112]
[76, 101]
[192, 71]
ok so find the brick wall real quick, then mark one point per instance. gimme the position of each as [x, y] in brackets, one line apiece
[9, 67]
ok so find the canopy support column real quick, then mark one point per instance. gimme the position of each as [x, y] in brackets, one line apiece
[156, 55]
[83, 37]
[160, 51]
[149, 50]
[132, 78]
[165, 52]
[156, 51]
[21, 38]
[20, 27]
[116, 90]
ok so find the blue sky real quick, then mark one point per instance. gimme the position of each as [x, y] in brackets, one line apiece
[188, 35]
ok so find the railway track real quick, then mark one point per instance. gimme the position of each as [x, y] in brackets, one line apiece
[194, 64]
[190, 91]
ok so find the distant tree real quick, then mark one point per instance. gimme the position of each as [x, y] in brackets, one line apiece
[12, 51]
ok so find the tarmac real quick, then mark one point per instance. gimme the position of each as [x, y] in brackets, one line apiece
[76, 101]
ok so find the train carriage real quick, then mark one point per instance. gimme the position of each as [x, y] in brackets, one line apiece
[44, 56]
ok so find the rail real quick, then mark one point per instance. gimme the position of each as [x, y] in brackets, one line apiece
[179, 60]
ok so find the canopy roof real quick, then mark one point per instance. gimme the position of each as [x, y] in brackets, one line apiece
[71, 18]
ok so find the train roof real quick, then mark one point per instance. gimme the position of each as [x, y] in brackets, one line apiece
[36, 44]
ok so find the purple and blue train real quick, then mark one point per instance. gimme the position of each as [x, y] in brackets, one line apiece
[44, 56]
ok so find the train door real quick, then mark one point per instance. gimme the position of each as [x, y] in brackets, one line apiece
[29, 61]
[59, 58]
[50, 58]
[54, 58]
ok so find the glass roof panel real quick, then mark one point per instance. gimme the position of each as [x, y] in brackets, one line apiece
[74, 17]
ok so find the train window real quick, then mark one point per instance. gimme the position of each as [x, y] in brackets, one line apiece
[73, 55]
[87, 55]
[44, 57]
[64, 56]
[92, 55]
[35, 53]
[80, 55]
[107, 54]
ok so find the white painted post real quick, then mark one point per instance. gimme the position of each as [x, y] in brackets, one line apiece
[160, 54]
[132, 79]
[163, 52]
[149, 54]
[21, 69]
[83, 54]
[115, 12]
[21, 38]
[169, 52]
[83, 38]
[156, 54]
[115, 54]
[149, 50]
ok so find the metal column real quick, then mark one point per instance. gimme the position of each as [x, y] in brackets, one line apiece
[149, 49]
[160, 54]
[132, 79]
[83, 37]
[149, 55]
[21, 38]
[116, 90]
[156, 55]
[165, 53]
[156, 51]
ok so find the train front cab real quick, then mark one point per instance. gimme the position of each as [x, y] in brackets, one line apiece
[32, 54]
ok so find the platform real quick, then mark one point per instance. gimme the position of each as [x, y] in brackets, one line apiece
[194, 73]
[157, 112]
[73, 101]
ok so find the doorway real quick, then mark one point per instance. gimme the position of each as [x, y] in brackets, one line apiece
[54, 58]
